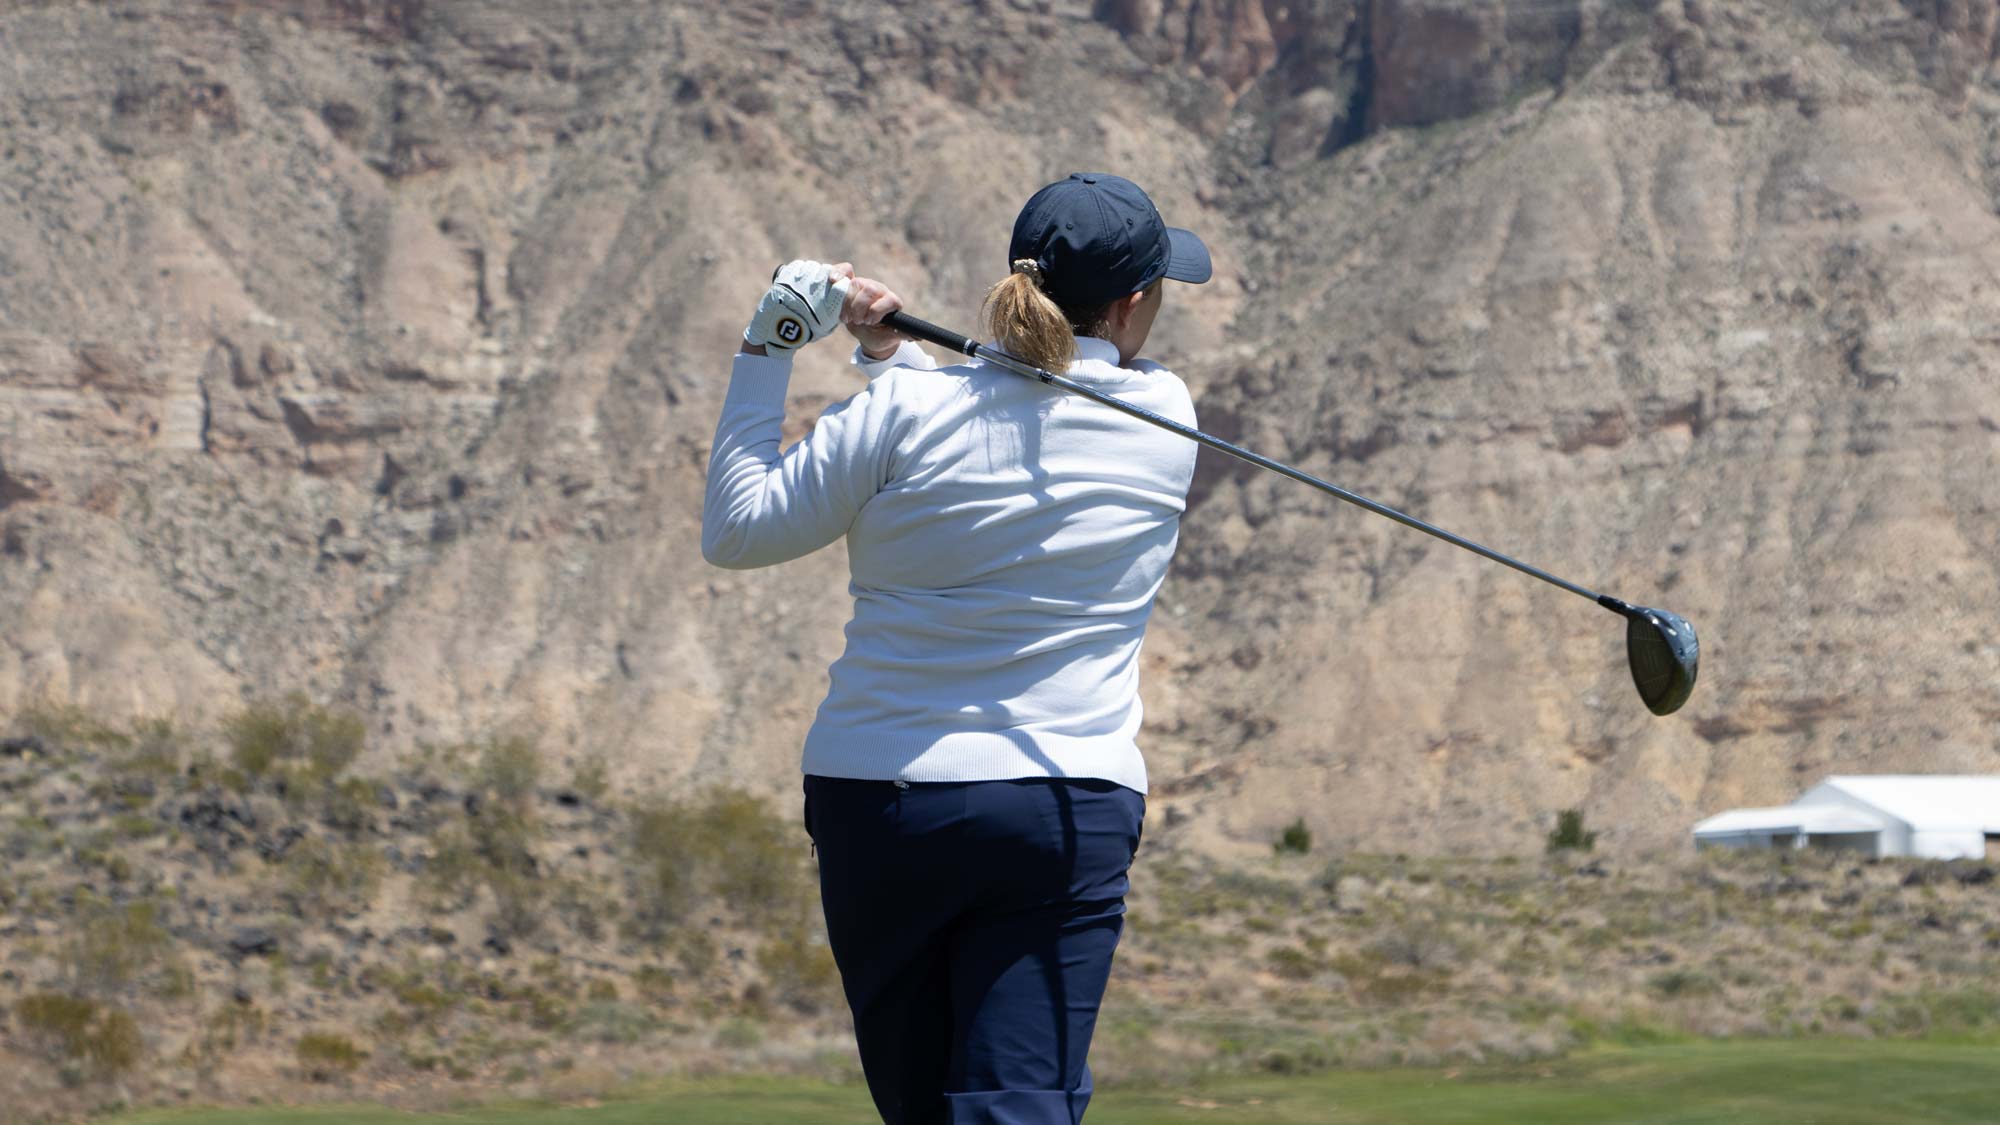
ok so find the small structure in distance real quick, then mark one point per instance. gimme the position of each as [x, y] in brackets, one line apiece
[1930, 817]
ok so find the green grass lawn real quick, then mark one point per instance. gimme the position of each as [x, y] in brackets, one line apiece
[1817, 1081]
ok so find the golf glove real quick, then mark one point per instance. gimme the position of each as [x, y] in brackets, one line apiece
[801, 306]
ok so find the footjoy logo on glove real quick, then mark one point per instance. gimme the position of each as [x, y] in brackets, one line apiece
[790, 330]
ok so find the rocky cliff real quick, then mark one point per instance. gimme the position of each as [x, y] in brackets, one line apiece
[374, 346]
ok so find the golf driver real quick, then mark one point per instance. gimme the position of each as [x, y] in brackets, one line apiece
[1661, 647]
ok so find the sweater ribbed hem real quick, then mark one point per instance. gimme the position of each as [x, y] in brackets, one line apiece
[972, 756]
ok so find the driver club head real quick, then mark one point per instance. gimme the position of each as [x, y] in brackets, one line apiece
[1665, 656]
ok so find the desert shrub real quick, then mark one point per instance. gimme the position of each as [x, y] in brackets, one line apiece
[654, 983]
[322, 878]
[113, 945]
[1292, 963]
[155, 749]
[349, 804]
[177, 982]
[542, 1009]
[757, 861]
[492, 848]
[1423, 941]
[583, 908]
[67, 726]
[134, 767]
[72, 1029]
[56, 1021]
[1296, 839]
[591, 776]
[799, 971]
[422, 1005]
[739, 1035]
[517, 901]
[1328, 881]
[453, 872]
[610, 1021]
[696, 951]
[294, 739]
[489, 852]
[219, 1034]
[667, 854]
[1676, 983]
[509, 769]
[132, 826]
[726, 844]
[1569, 834]
[324, 1056]
[1372, 978]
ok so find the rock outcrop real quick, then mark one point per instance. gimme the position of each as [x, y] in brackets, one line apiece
[374, 348]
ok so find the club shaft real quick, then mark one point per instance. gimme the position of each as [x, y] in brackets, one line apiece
[924, 330]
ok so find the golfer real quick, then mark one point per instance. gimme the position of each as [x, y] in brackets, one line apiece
[973, 781]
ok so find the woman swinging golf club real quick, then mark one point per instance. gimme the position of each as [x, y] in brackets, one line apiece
[973, 783]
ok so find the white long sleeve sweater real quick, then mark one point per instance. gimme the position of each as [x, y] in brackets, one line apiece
[1005, 542]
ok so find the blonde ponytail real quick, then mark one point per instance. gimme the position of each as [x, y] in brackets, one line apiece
[1026, 322]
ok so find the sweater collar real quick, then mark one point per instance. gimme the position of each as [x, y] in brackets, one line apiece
[1094, 348]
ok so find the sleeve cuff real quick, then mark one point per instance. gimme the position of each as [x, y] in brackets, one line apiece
[760, 379]
[907, 354]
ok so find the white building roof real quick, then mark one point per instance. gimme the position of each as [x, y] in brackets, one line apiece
[1968, 803]
[1816, 819]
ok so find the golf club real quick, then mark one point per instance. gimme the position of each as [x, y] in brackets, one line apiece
[1660, 646]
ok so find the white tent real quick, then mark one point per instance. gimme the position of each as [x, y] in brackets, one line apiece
[1931, 817]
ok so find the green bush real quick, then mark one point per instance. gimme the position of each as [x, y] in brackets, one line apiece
[799, 971]
[58, 1022]
[324, 878]
[491, 851]
[592, 777]
[112, 946]
[739, 1034]
[667, 855]
[155, 750]
[610, 1021]
[725, 844]
[69, 1028]
[1292, 963]
[1675, 983]
[517, 900]
[509, 769]
[1372, 978]
[492, 848]
[307, 744]
[1569, 834]
[654, 983]
[66, 726]
[324, 1056]
[349, 804]
[1296, 839]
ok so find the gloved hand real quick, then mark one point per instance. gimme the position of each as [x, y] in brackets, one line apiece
[801, 306]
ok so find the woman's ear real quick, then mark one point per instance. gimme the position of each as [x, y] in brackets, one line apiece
[1123, 308]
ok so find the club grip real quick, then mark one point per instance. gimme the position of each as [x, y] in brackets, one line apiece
[924, 330]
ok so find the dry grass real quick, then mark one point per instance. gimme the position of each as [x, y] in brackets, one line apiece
[1294, 964]
[469, 928]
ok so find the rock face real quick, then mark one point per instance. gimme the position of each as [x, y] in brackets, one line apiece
[375, 347]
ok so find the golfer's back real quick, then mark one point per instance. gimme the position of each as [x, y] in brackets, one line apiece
[1003, 576]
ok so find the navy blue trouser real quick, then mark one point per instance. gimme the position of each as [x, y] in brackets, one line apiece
[973, 923]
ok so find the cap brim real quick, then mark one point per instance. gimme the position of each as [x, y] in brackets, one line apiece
[1187, 258]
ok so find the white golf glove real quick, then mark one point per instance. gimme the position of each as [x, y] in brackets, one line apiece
[801, 306]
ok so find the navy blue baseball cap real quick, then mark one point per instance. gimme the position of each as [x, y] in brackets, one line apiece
[1097, 238]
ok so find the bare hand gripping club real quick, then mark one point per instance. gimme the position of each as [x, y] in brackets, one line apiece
[1661, 647]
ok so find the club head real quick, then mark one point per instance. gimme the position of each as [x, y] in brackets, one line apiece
[1665, 655]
